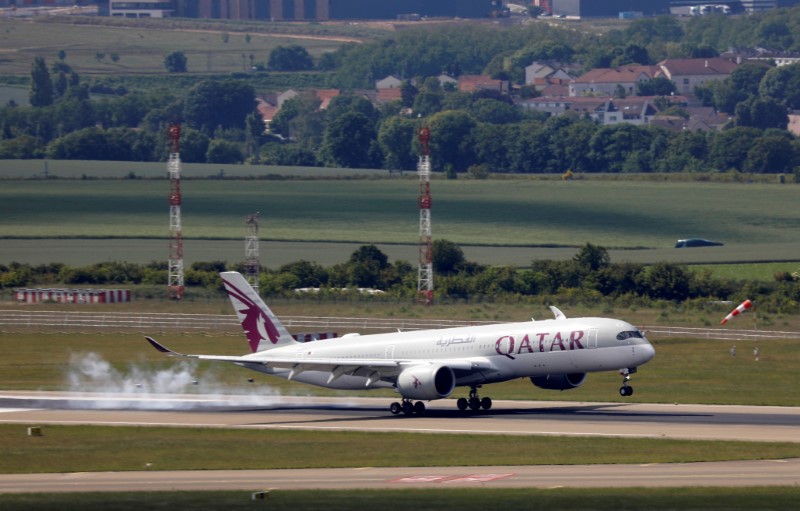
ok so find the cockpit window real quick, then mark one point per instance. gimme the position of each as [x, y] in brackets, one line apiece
[627, 334]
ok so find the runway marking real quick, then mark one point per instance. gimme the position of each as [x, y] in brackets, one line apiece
[12, 410]
[477, 478]
[419, 479]
[474, 478]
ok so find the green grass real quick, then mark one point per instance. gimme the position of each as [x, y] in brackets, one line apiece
[463, 499]
[683, 371]
[122, 448]
[501, 212]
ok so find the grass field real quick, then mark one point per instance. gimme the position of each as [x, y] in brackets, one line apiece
[121, 448]
[141, 48]
[683, 371]
[463, 499]
[496, 212]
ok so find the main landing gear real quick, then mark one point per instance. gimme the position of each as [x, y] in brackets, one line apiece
[407, 407]
[626, 390]
[474, 402]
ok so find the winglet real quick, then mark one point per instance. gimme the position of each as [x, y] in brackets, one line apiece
[557, 313]
[161, 347]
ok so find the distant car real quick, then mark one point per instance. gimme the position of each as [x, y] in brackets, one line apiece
[697, 242]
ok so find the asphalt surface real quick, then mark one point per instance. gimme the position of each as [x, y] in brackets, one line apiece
[371, 414]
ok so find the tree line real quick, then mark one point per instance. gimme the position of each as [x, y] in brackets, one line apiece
[588, 278]
[477, 132]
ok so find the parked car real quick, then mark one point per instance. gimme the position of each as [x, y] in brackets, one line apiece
[697, 242]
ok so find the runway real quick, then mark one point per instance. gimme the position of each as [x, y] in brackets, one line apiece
[634, 420]
[643, 420]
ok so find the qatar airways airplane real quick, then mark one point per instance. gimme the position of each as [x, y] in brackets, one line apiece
[425, 365]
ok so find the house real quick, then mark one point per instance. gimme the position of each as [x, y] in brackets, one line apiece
[636, 110]
[544, 73]
[609, 81]
[390, 82]
[687, 74]
[285, 96]
[447, 80]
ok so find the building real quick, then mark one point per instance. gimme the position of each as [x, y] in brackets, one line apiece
[140, 8]
[610, 81]
[285, 10]
[613, 8]
[66, 295]
[687, 74]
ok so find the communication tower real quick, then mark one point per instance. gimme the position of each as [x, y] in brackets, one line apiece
[425, 280]
[175, 236]
[252, 263]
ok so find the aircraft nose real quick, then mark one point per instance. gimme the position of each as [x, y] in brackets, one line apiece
[645, 352]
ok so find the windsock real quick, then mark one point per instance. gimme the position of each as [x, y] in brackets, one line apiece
[735, 312]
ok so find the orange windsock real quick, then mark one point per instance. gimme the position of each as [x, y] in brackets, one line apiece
[738, 310]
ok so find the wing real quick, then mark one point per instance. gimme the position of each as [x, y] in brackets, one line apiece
[374, 368]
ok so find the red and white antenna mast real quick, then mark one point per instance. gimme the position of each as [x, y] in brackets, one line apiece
[252, 263]
[425, 280]
[175, 235]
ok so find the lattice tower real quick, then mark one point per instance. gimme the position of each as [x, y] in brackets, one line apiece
[425, 275]
[175, 283]
[252, 263]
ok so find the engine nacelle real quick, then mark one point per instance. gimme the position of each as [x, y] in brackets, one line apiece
[426, 382]
[559, 381]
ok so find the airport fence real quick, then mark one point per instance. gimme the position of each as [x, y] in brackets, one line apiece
[48, 321]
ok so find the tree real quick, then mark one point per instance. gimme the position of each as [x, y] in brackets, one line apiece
[289, 58]
[211, 103]
[451, 139]
[395, 136]
[783, 83]
[591, 258]
[772, 153]
[761, 113]
[176, 62]
[254, 130]
[446, 257]
[348, 140]
[659, 86]
[41, 93]
[223, 151]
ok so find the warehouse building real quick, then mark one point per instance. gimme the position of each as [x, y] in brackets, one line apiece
[290, 10]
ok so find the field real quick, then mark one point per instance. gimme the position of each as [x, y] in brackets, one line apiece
[519, 212]
[142, 47]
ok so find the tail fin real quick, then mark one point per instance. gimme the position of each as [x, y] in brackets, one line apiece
[258, 322]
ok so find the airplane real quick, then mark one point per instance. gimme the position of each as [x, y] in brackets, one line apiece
[426, 365]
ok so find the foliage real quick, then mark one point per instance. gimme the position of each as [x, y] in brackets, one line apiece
[289, 58]
[176, 62]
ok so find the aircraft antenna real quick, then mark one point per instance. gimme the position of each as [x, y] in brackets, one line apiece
[425, 280]
[175, 283]
[252, 263]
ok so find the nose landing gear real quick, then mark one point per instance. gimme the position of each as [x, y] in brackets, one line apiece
[626, 390]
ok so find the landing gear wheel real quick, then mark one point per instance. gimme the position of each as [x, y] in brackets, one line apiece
[408, 407]
[419, 407]
[395, 408]
[474, 404]
[462, 403]
[486, 403]
[625, 391]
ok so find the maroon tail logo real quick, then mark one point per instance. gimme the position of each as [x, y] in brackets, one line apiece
[256, 324]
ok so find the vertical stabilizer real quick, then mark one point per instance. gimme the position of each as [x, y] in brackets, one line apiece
[263, 329]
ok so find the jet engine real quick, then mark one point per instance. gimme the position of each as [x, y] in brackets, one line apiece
[426, 382]
[559, 381]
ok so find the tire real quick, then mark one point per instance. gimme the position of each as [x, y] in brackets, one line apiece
[474, 404]
[486, 403]
[395, 408]
[408, 408]
[462, 404]
[419, 407]
[623, 391]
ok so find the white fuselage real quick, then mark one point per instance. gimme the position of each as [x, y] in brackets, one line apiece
[477, 354]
